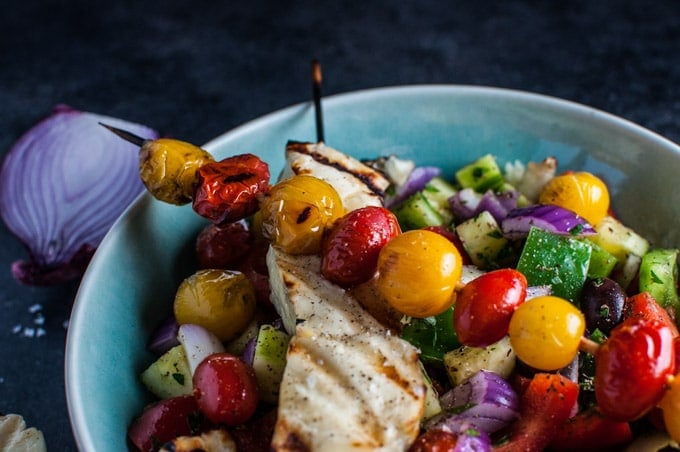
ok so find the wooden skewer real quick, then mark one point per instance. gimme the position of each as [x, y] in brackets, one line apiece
[316, 90]
[124, 134]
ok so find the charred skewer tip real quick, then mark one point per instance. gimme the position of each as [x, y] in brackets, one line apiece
[127, 136]
[316, 87]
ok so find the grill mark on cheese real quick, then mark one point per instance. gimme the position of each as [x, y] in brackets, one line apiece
[372, 179]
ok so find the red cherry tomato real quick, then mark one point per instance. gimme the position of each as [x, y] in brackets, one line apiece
[485, 305]
[435, 440]
[225, 389]
[223, 246]
[349, 255]
[546, 402]
[631, 368]
[644, 306]
[228, 190]
[163, 421]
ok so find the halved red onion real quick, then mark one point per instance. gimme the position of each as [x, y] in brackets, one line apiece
[486, 400]
[62, 185]
[551, 218]
[164, 337]
[198, 343]
[416, 181]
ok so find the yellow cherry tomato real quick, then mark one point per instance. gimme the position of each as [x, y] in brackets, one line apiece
[221, 301]
[297, 211]
[168, 168]
[580, 192]
[545, 332]
[418, 272]
[670, 404]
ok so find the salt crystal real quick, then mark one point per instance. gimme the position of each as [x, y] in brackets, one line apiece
[29, 332]
[35, 308]
[16, 329]
[41, 332]
[39, 319]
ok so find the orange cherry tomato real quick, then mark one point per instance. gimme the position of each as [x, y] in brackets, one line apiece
[418, 272]
[581, 192]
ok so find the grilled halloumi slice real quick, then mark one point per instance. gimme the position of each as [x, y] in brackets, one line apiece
[349, 384]
[357, 184]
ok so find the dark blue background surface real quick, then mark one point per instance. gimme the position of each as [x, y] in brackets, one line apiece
[194, 69]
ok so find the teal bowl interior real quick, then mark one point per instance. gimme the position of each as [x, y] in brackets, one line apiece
[131, 281]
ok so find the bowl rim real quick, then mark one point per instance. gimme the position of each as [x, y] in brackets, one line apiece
[74, 398]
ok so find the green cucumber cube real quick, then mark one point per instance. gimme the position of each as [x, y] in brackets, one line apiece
[269, 361]
[170, 375]
[481, 175]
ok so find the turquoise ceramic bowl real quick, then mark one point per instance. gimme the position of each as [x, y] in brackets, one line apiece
[130, 283]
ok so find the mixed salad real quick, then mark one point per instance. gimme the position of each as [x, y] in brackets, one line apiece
[379, 305]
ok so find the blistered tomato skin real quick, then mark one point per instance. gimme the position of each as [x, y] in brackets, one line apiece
[221, 301]
[545, 332]
[228, 190]
[169, 169]
[223, 246]
[297, 212]
[485, 305]
[435, 440]
[418, 272]
[580, 192]
[349, 254]
[225, 389]
[163, 421]
[632, 368]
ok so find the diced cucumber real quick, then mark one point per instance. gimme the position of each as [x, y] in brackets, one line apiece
[432, 404]
[269, 361]
[464, 362]
[417, 212]
[558, 261]
[659, 277]
[481, 175]
[169, 376]
[483, 241]
[602, 262]
[619, 240]
[437, 192]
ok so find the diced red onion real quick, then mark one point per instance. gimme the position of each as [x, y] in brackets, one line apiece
[551, 218]
[486, 400]
[467, 203]
[416, 181]
[470, 438]
[62, 185]
[198, 343]
[464, 203]
[164, 337]
[248, 355]
[497, 204]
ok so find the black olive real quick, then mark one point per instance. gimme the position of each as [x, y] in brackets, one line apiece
[602, 302]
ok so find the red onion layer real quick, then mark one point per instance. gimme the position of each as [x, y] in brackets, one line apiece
[62, 185]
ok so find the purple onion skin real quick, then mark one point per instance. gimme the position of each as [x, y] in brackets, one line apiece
[551, 218]
[164, 337]
[62, 185]
[417, 180]
[486, 400]
[467, 204]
